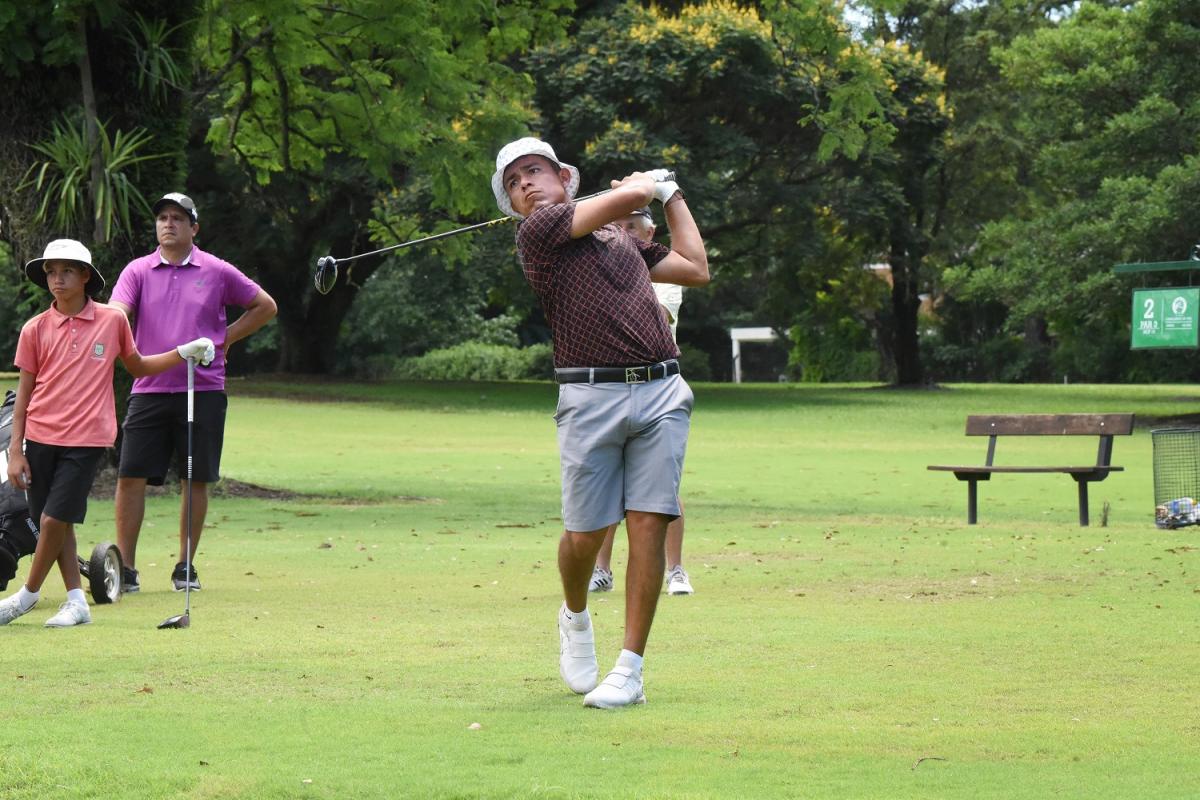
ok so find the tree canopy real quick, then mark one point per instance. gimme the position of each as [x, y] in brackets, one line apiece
[997, 157]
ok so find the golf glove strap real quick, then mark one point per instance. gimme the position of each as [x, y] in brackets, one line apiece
[201, 350]
[665, 190]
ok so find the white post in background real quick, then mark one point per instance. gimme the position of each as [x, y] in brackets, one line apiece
[739, 335]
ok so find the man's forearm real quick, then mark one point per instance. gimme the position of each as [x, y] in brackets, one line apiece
[685, 236]
[258, 314]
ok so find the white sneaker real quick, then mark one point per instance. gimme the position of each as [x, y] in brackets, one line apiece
[602, 580]
[621, 687]
[10, 609]
[70, 614]
[577, 655]
[677, 581]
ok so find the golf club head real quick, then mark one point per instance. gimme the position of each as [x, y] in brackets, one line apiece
[326, 275]
[178, 621]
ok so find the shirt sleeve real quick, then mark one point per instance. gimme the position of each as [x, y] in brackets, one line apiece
[543, 233]
[652, 252]
[129, 286]
[125, 345]
[238, 289]
[27, 355]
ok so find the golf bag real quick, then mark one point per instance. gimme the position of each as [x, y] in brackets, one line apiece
[18, 531]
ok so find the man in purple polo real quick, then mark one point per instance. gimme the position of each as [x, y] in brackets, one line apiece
[178, 288]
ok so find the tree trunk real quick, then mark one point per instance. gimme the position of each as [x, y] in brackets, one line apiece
[91, 133]
[308, 332]
[906, 302]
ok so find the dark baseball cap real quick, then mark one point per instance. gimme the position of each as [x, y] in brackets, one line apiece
[181, 200]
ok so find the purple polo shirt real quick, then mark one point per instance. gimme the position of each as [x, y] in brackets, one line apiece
[176, 303]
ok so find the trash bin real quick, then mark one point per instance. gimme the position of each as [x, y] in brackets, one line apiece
[1176, 476]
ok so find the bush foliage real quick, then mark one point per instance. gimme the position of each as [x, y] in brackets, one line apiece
[479, 361]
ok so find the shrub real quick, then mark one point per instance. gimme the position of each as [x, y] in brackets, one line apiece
[478, 361]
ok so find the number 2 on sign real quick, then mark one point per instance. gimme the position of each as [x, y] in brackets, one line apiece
[1148, 304]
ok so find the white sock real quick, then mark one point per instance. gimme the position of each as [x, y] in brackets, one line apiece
[27, 599]
[630, 659]
[77, 596]
[579, 620]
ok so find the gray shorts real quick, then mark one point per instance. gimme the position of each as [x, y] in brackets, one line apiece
[621, 447]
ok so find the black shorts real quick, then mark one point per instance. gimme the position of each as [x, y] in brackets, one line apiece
[60, 479]
[156, 428]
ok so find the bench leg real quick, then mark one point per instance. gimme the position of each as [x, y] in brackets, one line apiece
[1083, 504]
[972, 501]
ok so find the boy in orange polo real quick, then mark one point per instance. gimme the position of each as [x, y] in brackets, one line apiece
[65, 415]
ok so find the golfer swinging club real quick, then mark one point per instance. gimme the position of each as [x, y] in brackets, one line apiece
[623, 408]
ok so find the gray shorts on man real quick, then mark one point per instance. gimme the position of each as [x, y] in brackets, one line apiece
[621, 447]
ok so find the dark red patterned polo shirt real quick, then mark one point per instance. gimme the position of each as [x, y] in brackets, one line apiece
[595, 291]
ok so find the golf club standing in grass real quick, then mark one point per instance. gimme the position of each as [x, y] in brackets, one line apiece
[640, 225]
[177, 291]
[623, 408]
[65, 415]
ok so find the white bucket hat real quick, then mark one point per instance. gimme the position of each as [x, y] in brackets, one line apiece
[65, 250]
[528, 146]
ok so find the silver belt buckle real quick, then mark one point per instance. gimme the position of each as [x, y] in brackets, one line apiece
[634, 375]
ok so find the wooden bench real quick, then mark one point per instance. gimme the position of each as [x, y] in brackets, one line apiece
[1105, 426]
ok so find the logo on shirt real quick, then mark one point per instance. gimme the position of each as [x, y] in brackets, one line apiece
[98, 350]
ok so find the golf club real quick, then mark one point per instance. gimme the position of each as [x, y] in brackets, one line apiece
[327, 266]
[184, 620]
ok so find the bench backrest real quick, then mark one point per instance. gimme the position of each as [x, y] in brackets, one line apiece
[1050, 425]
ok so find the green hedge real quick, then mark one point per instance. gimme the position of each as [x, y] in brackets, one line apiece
[475, 361]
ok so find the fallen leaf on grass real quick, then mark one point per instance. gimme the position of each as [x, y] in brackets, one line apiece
[474, 726]
[325, 546]
[144, 690]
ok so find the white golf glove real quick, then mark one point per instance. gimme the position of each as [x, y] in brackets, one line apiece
[665, 190]
[657, 175]
[201, 350]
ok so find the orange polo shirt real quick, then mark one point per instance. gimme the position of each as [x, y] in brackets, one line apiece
[72, 359]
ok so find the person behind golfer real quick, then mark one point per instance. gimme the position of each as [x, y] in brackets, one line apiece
[65, 414]
[623, 408]
[640, 225]
[178, 291]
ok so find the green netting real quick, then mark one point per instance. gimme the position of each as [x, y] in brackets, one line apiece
[1176, 476]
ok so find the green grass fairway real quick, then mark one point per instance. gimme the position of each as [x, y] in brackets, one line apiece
[389, 632]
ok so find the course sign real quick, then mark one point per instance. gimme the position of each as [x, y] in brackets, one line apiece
[1166, 318]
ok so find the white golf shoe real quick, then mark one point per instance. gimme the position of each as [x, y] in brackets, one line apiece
[577, 654]
[621, 687]
[69, 615]
[10, 609]
[677, 581]
[602, 580]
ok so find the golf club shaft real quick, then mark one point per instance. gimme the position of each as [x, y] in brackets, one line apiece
[187, 553]
[455, 232]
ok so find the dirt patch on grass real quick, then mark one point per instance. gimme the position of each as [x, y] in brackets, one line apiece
[105, 488]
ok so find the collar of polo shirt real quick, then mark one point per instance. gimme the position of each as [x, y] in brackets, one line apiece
[162, 262]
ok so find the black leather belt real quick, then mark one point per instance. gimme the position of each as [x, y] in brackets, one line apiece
[650, 372]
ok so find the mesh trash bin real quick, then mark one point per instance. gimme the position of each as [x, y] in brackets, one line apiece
[1176, 476]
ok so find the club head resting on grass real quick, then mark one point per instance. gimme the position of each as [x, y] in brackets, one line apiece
[177, 621]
